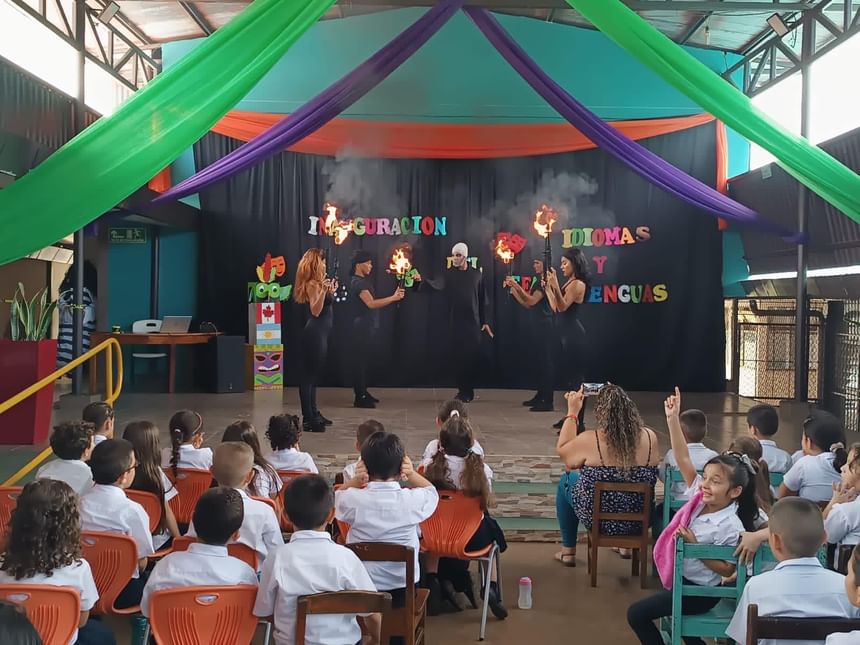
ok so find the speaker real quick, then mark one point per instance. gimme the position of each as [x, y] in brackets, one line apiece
[226, 364]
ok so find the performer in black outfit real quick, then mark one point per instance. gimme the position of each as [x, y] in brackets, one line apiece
[313, 289]
[546, 338]
[362, 311]
[565, 301]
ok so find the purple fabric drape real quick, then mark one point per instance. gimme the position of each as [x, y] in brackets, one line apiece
[642, 161]
[324, 106]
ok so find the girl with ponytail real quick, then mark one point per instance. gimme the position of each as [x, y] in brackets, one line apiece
[814, 474]
[752, 448]
[450, 409]
[186, 441]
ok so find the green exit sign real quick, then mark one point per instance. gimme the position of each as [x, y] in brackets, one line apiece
[127, 235]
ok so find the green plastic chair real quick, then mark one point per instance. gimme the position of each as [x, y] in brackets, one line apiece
[670, 504]
[776, 479]
[713, 623]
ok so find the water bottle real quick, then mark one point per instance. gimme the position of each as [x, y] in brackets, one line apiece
[525, 599]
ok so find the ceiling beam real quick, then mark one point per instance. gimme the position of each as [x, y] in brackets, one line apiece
[702, 6]
[197, 17]
[136, 31]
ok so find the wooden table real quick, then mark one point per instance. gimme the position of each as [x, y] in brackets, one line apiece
[169, 339]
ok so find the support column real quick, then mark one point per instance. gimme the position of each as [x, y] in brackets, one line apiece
[155, 272]
[78, 275]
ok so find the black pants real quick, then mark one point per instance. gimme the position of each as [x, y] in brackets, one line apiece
[314, 352]
[642, 614]
[546, 344]
[133, 592]
[572, 365]
[465, 355]
[361, 352]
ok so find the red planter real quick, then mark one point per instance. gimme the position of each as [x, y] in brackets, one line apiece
[22, 363]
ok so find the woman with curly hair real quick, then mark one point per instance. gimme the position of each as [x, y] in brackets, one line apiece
[44, 547]
[313, 289]
[622, 449]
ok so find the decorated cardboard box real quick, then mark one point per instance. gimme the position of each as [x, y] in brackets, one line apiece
[264, 357]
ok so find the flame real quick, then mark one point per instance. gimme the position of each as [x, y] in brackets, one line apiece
[335, 227]
[545, 217]
[504, 252]
[342, 230]
[400, 262]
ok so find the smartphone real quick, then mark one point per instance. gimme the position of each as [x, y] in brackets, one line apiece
[590, 389]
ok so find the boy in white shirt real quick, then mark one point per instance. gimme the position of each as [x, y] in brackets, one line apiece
[799, 586]
[72, 443]
[694, 424]
[383, 511]
[233, 467]
[763, 422]
[105, 508]
[102, 416]
[852, 588]
[284, 434]
[218, 517]
[312, 563]
[366, 429]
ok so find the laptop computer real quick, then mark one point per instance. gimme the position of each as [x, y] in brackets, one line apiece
[175, 324]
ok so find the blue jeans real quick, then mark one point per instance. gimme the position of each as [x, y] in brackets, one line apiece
[568, 522]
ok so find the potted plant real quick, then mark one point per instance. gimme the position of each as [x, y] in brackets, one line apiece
[27, 357]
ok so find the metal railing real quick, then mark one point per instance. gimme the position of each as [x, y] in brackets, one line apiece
[112, 392]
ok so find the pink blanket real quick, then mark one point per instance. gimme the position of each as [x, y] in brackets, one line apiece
[664, 548]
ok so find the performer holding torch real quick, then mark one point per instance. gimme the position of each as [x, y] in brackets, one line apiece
[363, 306]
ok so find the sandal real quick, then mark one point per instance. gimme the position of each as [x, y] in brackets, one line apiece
[567, 559]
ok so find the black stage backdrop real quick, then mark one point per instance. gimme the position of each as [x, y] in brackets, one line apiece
[644, 346]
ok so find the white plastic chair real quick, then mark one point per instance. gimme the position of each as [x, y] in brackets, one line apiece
[145, 327]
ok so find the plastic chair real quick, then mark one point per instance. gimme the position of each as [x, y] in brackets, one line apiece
[151, 504]
[190, 484]
[794, 629]
[236, 549]
[776, 479]
[113, 560]
[447, 532]
[670, 504]
[54, 611]
[8, 501]
[408, 621]
[283, 520]
[287, 476]
[342, 602]
[638, 543]
[713, 623]
[148, 326]
[217, 615]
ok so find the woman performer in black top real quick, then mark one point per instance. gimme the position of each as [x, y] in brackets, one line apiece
[362, 307]
[565, 301]
[313, 289]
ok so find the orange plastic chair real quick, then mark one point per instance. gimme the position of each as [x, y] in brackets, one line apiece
[447, 532]
[8, 501]
[283, 520]
[113, 560]
[217, 615]
[239, 551]
[287, 476]
[151, 504]
[190, 484]
[54, 611]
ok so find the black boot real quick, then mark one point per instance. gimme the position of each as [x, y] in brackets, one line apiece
[363, 402]
[469, 589]
[371, 397]
[435, 602]
[542, 406]
[496, 606]
[312, 426]
[531, 401]
[450, 594]
[319, 418]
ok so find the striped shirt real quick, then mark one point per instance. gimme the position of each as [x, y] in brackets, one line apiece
[65, 343]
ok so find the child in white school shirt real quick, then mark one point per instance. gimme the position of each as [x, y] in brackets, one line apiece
[799, 586]
[186, 443]
[369, 427]
[233, 466]
[284, 434]
[102, 416]
[378, 509]
[72, 443]
[842, 514]
[814, 475]
[106, 508]
[763, 423]
[852, 588]
[217, 517]
[312, 563]
[448, 410]
[694, 424]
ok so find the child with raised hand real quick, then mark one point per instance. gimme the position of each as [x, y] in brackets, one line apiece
[149, 477]
[694, 425]
[814, 474]
[852, 588]
[285, 434]
[723, 503]
[186, 443]
[218, 517]
[43, 547]
[842, 514]
[72, 443]
[103, 418]
[369, 427]
[448, 410]
[266, 482]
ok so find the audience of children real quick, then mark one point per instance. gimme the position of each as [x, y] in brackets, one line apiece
[799, 586]
[218, 516]
[448, 409]
[378, 509]
[186, 443]
[313, 563]
[233, 467]
[852, 588]
[266, 482]
[149, 477]
[106, 508]
[72, 443]
[101, 415]
[694, 424]
[43, 546]
[763, 422]
[814, 475]
[369, 427]
[842, 514]
[284, 434]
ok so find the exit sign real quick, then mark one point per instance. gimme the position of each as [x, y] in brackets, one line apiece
[127, 235]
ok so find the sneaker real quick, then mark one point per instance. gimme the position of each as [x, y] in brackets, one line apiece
[371, 397]
[319, 418]
[312, 426]
[364, 402]
[531, 401]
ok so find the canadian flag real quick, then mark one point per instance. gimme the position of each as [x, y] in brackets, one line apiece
[269, 313]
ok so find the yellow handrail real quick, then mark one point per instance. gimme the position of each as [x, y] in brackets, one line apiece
[111, 394]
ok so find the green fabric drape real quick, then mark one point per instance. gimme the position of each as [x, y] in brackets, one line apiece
[810, 165]
[116, 155]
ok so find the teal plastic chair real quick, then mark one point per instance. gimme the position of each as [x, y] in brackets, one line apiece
[776, 479]
[764, 557]
[713, 623]
[670, 504]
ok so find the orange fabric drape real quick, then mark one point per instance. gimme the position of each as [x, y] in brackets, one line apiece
[393, 139]
[722, 182]
[161, 182]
